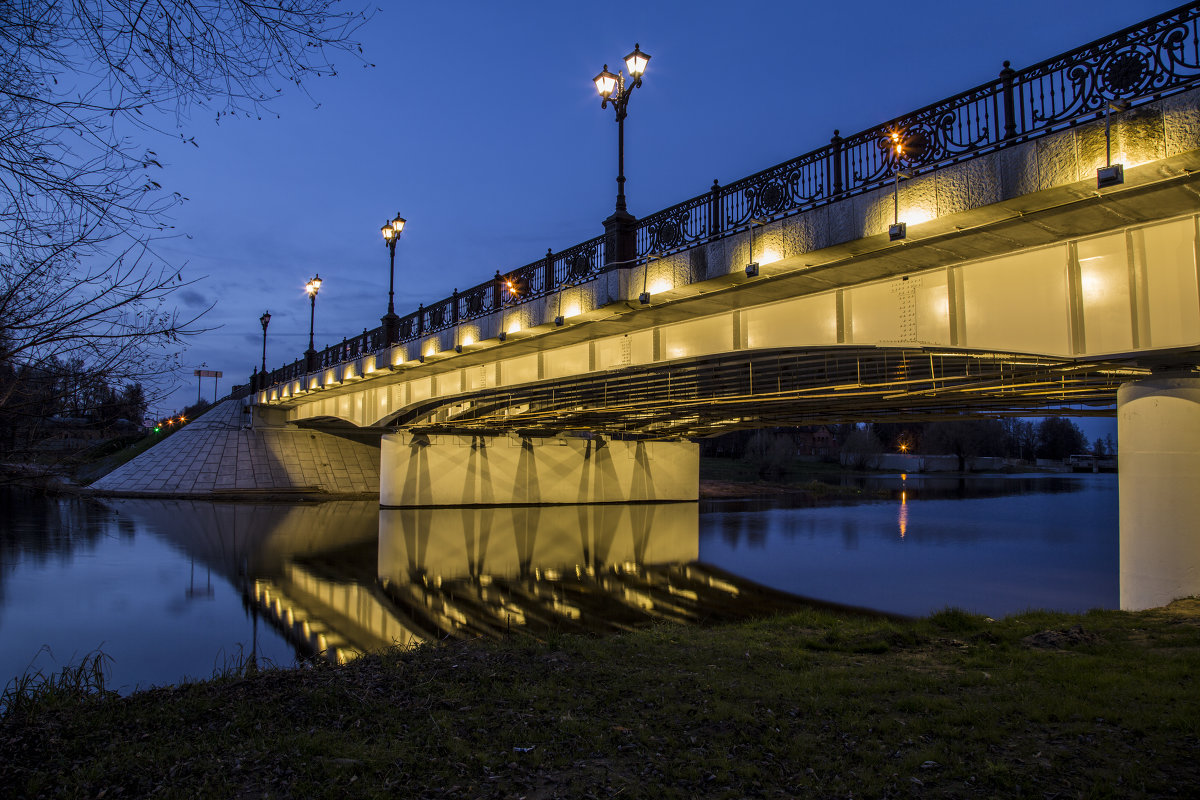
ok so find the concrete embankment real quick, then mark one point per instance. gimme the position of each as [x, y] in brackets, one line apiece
[218, 455]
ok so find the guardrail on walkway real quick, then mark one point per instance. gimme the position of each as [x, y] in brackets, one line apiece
[1140, 64]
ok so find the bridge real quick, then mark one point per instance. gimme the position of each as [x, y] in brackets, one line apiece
[1028, 246]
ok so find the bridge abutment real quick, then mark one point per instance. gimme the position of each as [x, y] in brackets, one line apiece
[465, 470]
[1158, 428]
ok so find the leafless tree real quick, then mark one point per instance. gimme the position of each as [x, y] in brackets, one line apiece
[83, 84]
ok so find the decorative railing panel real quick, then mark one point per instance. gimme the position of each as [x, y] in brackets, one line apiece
[1137, 65]
[1146, 61]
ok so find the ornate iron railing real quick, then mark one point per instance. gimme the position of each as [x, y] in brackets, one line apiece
[1140, 64]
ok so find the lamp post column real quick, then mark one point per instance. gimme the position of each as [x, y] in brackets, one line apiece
[620, 229]
[265, 319]
[391, 323]
[310, 355]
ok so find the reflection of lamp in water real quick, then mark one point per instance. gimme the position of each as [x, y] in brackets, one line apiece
[903, 513]
[192, 591]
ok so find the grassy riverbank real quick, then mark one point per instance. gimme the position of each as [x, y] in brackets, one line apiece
[735, 478]
[818, 704]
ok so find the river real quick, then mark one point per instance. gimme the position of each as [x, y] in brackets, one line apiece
[174, 590]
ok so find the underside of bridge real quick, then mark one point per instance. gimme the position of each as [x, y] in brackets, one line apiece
[708, 396]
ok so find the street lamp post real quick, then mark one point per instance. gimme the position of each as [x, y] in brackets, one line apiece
[391, 235]
[310, 355]
[620, 228]
[265, 319]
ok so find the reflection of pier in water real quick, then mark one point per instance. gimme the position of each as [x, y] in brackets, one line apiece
[442, 573]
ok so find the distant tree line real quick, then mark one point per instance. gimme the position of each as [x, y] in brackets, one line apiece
[39, 402]
[1050, 438]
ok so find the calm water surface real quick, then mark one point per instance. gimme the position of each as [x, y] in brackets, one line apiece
[177, 589]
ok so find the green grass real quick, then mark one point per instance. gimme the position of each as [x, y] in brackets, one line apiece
[96, 468]
[38, 692]
[816, 704]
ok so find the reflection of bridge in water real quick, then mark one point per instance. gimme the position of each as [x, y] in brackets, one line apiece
[450, 574]
[345, 578]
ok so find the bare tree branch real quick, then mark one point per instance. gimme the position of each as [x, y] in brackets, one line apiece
[82, 203]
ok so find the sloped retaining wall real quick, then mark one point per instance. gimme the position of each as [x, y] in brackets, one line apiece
[217, 455]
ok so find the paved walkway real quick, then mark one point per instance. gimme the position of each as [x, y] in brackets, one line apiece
[216, 454]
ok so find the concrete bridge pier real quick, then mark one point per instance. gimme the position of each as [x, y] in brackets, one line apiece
[1158, 429]
[419, 469]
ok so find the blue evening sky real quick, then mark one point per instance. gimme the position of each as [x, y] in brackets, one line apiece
[480, 124]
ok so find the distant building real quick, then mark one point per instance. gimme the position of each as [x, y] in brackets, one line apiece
[816, 441]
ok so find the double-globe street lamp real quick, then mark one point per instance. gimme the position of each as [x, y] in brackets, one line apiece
[310, 355]
[614, 89]
[265, 319]
[391, 235]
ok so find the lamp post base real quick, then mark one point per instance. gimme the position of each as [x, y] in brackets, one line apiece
[620, 232]
[310, 360]
[391, 327]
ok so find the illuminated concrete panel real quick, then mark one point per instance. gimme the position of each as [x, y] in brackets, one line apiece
[1166, 256]
[641, 347]
[704, 336]
[876, 313]
[931, 307]
[448, 382]
[562, 362]
[1104, 278]
[1158, 429]
[480, 377]
[1018, 303]
[419, 390]
[456, 470]
[613, 352]
[519, 370]
[805, 320]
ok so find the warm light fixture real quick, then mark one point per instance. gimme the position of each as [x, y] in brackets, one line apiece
[898, 230]
[616, 90]
[313, 286]
[644, 297]
[517, 286]
[1110, 174]
[635, 62]
[606, 83]
[752, 267]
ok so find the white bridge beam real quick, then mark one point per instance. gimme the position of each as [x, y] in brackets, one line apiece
[419, 470]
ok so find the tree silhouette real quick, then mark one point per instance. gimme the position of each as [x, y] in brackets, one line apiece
[83, 84]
